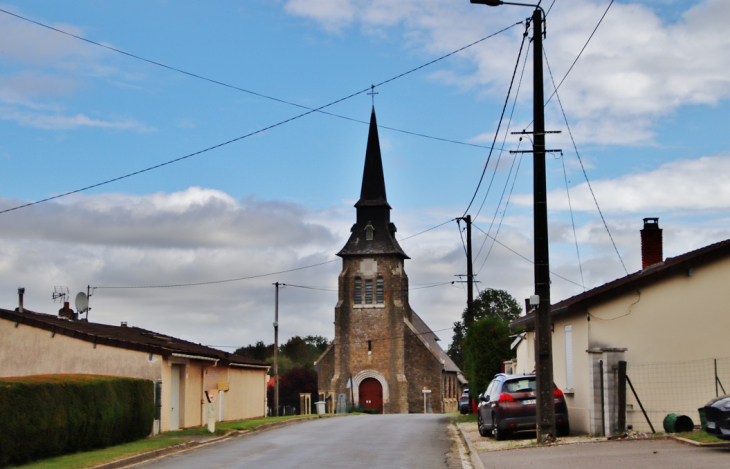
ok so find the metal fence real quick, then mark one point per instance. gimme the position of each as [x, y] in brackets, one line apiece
[674, 388]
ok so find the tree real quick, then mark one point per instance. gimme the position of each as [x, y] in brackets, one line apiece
[486, 346]
[490, 303]
[260, 351]
[294, 381]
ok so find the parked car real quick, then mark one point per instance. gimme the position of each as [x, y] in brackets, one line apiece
[509, 405]
[717, 417]
[465, 402]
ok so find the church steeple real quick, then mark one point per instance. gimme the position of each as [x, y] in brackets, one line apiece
[373, 233]
[373, 181]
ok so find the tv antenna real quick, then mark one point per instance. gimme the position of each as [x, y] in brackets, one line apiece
[59, 294]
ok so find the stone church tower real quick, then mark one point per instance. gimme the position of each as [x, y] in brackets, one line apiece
[383, 356]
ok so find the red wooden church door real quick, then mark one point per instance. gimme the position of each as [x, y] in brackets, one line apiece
[371, 394]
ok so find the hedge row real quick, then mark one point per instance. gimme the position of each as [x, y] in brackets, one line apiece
[51, 415]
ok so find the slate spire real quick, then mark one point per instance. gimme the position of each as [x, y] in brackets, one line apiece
[373, 233]
[373, 181]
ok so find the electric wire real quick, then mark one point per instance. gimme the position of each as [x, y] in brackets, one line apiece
[376, 339]
[504, 212]
[417, 287]
[263, 275]
[238, 88]
[212, 282]
[506, 183]
[506, 133]
[579, 54]
[504, 108]
[426, 231]
[261, 130]
[572, 221]
[580, 160]
[524, 257]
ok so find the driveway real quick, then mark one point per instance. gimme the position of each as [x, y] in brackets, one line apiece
[364, 441]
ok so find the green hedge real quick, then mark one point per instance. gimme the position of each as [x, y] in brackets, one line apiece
[51, 415]
[487, 345]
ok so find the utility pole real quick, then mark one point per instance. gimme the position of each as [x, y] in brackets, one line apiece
[469, 319]
[276, 350]
[543, 331]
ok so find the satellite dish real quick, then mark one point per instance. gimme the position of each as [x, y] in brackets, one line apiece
[82, 302]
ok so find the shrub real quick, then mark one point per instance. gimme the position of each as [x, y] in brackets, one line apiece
[51, 415]
[487, 345]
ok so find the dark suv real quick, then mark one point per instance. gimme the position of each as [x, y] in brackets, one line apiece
[717, 417]
[465, 403]
[509, 404]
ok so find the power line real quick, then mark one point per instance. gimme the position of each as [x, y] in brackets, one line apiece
[524, 257]
[377, 339]
[215, 281]
[426, 231]
[238, 88]
[501, 117]
[579, 54]
[269, 127]
[585, 174]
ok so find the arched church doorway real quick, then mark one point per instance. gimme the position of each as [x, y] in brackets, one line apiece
[371, 394]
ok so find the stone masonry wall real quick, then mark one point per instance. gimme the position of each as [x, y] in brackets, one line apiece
[381, 324]
[423, 371]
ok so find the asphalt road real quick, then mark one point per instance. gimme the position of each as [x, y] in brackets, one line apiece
[610, 455]
[367, 441]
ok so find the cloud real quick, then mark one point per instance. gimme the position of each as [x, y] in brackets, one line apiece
[676, 187]
[202, 235]
[60, 121]
[44, 65]
[637, 67]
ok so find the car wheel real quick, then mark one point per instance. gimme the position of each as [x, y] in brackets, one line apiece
[499, 434]
[480, 425]
[564, 429]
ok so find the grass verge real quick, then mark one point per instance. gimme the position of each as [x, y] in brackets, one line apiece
[223, 428]
[701, 436]
[102, 456]
[468, 418]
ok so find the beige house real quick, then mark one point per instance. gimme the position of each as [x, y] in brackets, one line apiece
[35, 344]
[669, 322]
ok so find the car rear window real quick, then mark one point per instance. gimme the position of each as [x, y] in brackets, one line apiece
[520, 385]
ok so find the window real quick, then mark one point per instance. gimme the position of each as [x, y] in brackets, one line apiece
[379, 290]
[370, 345]
[369, 232]
[358, 290]
[569, 357]
[369, 291]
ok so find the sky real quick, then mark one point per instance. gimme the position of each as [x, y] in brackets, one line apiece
[260, 190]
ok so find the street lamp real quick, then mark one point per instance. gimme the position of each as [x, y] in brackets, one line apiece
[543, 355]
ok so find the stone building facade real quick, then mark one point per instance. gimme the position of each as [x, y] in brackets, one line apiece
[383, 356]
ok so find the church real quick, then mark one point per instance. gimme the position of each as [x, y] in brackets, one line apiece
[384, 357]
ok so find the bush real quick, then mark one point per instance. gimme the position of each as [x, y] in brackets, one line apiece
[51, 415]
[487, 345]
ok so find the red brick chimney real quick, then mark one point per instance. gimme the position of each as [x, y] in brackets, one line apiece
[67, 312]
[651, 243]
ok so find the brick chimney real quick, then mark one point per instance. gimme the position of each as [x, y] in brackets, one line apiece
[21, 292]
[651, 243]
[67, 312]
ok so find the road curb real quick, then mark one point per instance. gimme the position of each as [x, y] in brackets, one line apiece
[700, 444]
[476, 461]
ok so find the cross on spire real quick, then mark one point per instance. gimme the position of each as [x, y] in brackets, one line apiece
[373, 93]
